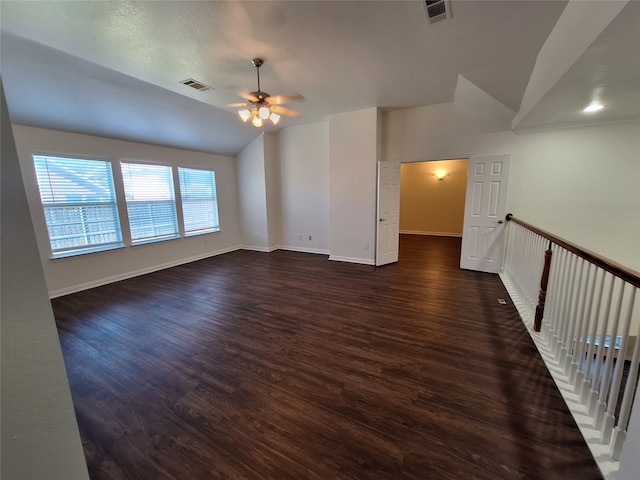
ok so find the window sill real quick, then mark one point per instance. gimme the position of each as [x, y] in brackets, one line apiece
[154, 240]
[87, 251]
[201, 232]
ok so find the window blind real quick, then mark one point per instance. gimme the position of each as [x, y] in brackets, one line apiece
[150, 201]
[79, 202]
[199, 200]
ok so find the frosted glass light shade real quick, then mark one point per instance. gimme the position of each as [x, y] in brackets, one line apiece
[244, 115]
[256, 122]
[275, 118]
[264, 112]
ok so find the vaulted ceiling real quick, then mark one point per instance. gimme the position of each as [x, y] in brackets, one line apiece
[114, 68]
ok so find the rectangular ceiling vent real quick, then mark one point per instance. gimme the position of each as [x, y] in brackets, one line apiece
[201, 87]
[437, 10]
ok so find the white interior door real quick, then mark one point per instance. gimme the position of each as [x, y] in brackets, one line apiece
[484, 213]
[388, 225]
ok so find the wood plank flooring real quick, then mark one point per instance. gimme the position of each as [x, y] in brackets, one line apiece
[289, 366]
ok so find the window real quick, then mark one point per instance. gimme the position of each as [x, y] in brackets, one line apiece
[79, 204]
[150, 202]
[199, 201]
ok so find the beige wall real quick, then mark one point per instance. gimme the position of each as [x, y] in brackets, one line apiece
[429, 206]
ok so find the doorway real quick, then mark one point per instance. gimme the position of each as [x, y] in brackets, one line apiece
[432, 197]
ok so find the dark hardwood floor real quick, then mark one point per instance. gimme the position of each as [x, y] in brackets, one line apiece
[289, 366]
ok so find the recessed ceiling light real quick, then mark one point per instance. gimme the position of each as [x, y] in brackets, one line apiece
[594, 107]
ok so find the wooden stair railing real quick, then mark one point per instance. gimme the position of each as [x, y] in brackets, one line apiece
[581, 308]
[626, 274]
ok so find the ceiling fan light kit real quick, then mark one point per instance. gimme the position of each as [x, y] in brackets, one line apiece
[262, 106]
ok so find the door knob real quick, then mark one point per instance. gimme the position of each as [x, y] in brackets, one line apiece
[382, 220]
[499, 222]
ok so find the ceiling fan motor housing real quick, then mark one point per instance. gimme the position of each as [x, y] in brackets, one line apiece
[260, 96]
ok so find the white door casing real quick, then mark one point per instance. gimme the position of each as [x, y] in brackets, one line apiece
[388, 210]
[484, 212]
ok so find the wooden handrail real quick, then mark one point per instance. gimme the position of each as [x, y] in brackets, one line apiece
[620, 271]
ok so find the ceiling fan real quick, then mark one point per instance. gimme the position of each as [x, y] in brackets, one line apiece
[261, 106]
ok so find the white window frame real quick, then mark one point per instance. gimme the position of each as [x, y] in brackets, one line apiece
[78, 215]
[204, 200]
[138, 194]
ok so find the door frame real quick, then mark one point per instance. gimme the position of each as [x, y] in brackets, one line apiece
[462, 156]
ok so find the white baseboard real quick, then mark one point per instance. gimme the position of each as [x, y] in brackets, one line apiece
[258, 249]
[137, 273]
[303, 250]
[434, 234]
[363, 261]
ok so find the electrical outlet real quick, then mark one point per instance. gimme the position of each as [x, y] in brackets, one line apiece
[366, 246]
[310, 237]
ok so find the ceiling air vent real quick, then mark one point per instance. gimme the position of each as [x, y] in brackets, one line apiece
[437, 10]
[201, 87]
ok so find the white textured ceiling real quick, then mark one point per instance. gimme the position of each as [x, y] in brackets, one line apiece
[113, 68]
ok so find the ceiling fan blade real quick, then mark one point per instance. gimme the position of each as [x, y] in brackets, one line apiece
[249, 96]
[282, 99]
[285, 111]
[237, 105]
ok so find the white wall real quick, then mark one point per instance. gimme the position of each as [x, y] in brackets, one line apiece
[304, 184]
[353, 155]
[432, 132]
[40, 437]
[66, 275]
[272, 190]
[582, 184]
[252, 179]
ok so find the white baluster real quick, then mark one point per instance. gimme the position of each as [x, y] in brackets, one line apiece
[608, 367]
[524, 278]
[577, 369]
[554, 292]
[610, 418]
[586, 385]
[572, 337]
[620, 432]
[566, 312]
[562, 299]
[592, 402]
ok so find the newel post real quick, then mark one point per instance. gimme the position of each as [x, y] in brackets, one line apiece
[544, 281]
